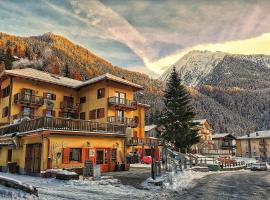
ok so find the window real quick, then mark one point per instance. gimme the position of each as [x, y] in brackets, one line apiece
[75, 154]
[100, 157]
[49, 96]
[97, 113]
[27, 112]
[100, 113]
[101, 93]
[114, 155]
[82, 100]
[5, 92]
[120, 97]
[5, 112]
[9, 156]
[49, 113]
[82, 115]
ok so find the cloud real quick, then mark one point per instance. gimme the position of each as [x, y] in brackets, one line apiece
[111, 23]
[257, 45]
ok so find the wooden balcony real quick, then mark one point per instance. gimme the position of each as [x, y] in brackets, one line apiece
[28, 100]
[263, 149]
[128, 122]
[52, 123]
[142, 141]
[121, 103]
[69, 106]
[263, 143]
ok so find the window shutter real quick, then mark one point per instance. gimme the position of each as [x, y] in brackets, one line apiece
[101, 112]
[53, 96]
[84, 154]
[53, 113]
[66, 155]
[60, 114]
[92, 114]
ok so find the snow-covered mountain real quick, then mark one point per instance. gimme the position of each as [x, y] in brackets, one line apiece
[195, 66]
[232, 91]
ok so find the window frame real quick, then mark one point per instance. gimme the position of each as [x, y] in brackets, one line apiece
[100, 93]
[71, 155]
[5, 112]
[82, 100]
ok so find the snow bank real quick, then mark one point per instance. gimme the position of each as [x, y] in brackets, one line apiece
[175, 181]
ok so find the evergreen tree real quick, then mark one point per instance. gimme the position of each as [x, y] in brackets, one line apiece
[178, 114]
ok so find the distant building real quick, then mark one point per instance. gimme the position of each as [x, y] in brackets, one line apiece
[153, 131]
[225, 142]
[254, 145]
[205, 132]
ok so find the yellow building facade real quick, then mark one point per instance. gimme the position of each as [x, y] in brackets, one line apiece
[50, 121]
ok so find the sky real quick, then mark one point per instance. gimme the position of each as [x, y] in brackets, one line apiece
[145, 35]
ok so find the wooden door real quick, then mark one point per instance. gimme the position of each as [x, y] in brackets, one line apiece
[33, 158]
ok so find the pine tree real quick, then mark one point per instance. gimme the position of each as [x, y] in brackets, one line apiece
[178, 114]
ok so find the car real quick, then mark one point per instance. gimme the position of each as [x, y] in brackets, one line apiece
[259, 166]
[146, 160]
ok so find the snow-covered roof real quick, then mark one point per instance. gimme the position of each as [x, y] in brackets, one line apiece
[257, 134]
[201, 121]
[38, 75]
[111, 77]
[144, 105]
[149, 127]
[221, 135]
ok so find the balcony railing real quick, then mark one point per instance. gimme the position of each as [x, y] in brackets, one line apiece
[69, 106]
[143, 141]
[52, 123]
[29, 100]
[263, 143]
[129, 122]
[122, 103]
[263, 149]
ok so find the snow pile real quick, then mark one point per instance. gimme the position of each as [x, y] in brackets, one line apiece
[175, 181]
[246, 160]
[65, 172]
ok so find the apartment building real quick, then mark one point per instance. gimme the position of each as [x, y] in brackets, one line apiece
[49, 121]
[254, 145]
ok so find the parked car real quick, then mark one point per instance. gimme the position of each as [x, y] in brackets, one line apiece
[259, 166]
[146, 160]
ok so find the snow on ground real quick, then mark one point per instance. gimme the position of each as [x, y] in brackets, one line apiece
[52, 189]
[140, 165]
[246, 160]
[176, 181]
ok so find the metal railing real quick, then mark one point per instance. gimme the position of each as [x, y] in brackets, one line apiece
[129, 122]
[122, 102]
[21, 98]
[52, 123]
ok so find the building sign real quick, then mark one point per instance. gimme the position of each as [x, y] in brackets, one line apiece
[91, 152]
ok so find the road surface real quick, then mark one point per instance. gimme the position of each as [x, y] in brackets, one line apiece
[243, 185]
[229, 186]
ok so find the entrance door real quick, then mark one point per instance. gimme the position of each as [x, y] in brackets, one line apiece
[103, 156]
[33, 158]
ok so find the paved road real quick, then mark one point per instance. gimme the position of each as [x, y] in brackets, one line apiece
[229, 186]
